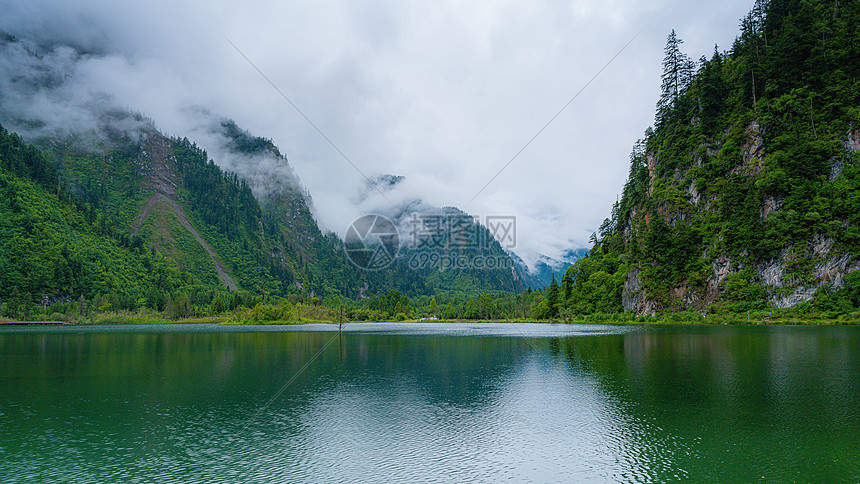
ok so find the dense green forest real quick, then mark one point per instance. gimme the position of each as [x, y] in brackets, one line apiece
[85, 231]
[746, 192]
[742, 202]
[54, 243]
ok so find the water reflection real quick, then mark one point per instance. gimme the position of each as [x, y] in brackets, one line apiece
[740, 403]
[430, 403]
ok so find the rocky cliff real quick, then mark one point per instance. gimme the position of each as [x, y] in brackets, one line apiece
[826, 262]
[746, 192]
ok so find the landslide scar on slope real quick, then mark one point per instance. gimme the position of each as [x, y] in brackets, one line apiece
[161, 176]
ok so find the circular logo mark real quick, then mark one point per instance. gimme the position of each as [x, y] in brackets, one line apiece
[371, 242]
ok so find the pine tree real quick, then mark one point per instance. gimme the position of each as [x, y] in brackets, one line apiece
[678, 71]
[14, 301]
[169, 310]
[712, 93]
[218, 304]
[567, 285]
[552, 298]
[182, 305]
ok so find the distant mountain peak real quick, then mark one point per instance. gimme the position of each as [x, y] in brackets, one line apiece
[242, 141]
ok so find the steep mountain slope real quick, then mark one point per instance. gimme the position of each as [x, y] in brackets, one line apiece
[161, 178]
[54, 246]
[747, 191]
[238, 220]
[321, 256]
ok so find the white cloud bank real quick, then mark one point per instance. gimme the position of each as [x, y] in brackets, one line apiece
[444, 93]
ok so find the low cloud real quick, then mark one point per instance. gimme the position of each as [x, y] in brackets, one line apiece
[443, 93]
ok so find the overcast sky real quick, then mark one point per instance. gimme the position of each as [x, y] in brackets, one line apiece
[443, 92]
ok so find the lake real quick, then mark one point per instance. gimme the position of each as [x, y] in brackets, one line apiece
[429, 402]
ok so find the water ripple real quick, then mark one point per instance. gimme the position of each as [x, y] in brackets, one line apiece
[471, 403]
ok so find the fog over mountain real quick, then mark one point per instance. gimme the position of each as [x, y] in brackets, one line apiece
[443, 94]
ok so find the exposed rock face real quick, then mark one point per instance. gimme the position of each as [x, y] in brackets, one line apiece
[837, 163]
[628, 227]
[779, 276]
[754, 148]
[829, 271]
[722, 267]
[853, 142]
[651, 163]
[693, 194]
[772, 273]
[836, 166]
[771, 204]
[687, 298]
[158, 163]
[800, 295]
[821, 245]
[753, 151]
[632, 296]
[833, 270]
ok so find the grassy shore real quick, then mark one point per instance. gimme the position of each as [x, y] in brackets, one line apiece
[327, 317]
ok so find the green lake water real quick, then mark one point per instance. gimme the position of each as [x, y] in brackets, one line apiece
[429, 403]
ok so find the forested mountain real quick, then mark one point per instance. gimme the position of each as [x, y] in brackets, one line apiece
[100, 206]
[746, 192]
[546, 268]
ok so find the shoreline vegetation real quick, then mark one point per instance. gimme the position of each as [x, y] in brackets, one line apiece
[743, 197]
[284, 313]
[553, 304]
